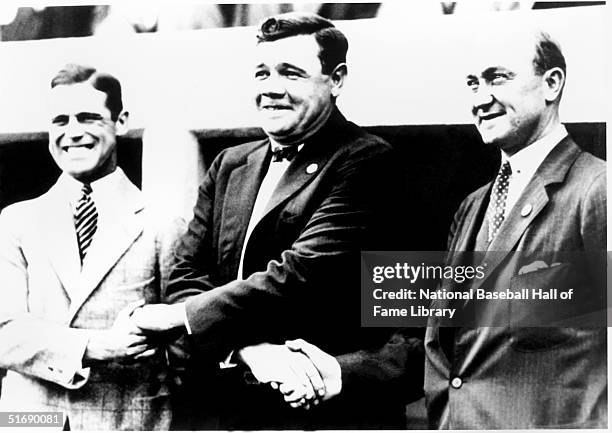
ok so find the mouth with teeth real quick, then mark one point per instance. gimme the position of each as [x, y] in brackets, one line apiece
[76, 149]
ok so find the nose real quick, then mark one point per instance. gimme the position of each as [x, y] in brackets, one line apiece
[273, 86]
[74, 129]
[482, 98]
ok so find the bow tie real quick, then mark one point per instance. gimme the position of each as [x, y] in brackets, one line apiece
[284, 152]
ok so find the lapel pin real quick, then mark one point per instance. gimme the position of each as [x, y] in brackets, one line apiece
[526, 210]
[312, 168]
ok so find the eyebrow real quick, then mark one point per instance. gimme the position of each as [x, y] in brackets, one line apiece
[89, 114]
[58, 117]
[85, 114]
[290, 66]
[490, 71]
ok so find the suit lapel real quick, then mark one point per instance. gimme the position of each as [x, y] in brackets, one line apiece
[58, 237]
[302, 169]
[242, 188]
[308, 162]
[534, 198]
[118, 228]
[472, 221]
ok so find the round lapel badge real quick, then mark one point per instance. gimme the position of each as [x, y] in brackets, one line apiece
[312, 168]
[526, 210]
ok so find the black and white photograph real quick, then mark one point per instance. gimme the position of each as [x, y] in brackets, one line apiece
[303, 216]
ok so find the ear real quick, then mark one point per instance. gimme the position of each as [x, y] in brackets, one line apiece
[554, 80]
[337, 78]
[121, 125]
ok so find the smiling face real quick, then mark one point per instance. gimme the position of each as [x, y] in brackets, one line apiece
[509, 104]
[82, 135]
[293, 97]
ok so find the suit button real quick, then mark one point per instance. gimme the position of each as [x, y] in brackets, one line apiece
[456, 382]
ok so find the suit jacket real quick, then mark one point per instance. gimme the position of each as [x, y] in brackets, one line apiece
[49, 303]
[513, 375]
[300, 265]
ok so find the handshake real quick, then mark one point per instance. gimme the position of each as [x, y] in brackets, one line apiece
[304, 374]
[134, 335]
[300, 371]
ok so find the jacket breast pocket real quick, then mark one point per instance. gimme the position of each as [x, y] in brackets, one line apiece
[542, 320]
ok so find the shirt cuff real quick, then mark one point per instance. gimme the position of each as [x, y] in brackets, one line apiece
[186, 321]
[227, 362]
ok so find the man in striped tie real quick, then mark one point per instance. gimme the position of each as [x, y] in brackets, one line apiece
[75, 262]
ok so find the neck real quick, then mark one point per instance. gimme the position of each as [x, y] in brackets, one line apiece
[301, 137]
[546, 126]
[101, 172]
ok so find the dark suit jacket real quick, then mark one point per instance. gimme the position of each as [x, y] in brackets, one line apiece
[302, 262]
[514, 376]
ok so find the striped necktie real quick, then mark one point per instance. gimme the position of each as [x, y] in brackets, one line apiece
[85, 220]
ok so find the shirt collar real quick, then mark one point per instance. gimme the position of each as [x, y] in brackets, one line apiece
[274, 145]
[526, 161]
[103, 187]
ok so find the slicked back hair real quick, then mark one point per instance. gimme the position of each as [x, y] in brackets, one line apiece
[102, 81]
[548, 55]
[332, 42]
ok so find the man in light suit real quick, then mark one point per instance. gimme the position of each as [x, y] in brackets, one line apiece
[546, 207]
[273, 251]
[74, 263]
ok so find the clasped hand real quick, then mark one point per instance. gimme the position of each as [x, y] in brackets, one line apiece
[303, 373]
[122, 342]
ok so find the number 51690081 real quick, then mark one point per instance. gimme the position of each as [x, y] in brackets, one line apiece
[31, 419]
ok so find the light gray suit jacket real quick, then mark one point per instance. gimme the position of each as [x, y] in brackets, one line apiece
[49, 302]
[514, 376]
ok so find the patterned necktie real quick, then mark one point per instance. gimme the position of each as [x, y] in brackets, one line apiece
[85, 220]
[497, 204]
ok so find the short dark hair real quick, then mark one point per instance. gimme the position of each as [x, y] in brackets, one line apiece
[548, 54]
[332, 42]
[102, 81]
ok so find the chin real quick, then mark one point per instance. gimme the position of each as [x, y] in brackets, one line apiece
[79, 174]
[275, 129]
[493, 141]
[79, 170]
[490, 136]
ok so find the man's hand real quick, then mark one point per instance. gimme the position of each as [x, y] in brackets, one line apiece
[291, 373]
[159, 317]
[123, 322]
[123, 342]
[327, 366]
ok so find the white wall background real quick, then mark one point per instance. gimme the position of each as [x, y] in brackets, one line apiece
[405, 70]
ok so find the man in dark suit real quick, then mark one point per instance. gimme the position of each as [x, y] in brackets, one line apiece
[543, 363]
[273, 250]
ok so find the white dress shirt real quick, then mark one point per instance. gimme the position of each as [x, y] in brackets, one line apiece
[268, 185]
[104, 194]
[264, 194]
[104, 190]
[525, 162]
